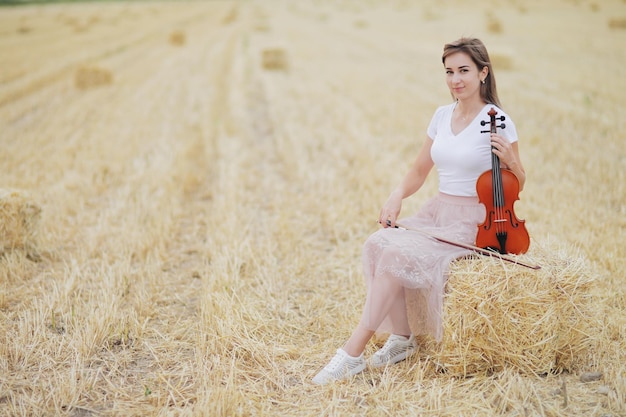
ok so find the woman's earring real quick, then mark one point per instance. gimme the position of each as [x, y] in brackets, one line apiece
[482, 81]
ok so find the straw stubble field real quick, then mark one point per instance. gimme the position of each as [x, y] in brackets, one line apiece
[186, 187]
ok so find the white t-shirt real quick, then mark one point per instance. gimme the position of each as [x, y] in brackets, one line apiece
[461, 158]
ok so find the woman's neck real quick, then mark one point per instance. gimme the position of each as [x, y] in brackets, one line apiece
[467, 110]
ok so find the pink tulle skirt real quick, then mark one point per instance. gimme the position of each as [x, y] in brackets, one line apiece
[406, 271]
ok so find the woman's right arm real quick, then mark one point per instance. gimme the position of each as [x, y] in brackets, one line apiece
[413, 181]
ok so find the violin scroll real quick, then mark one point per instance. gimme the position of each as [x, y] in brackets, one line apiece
[492, 122]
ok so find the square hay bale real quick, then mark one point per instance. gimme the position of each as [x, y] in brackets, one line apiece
[501, 61]
[23, 29]
[19, 220]
[493, 24]
[617, 23]
[499, 316]
[262, 26]
[274, 59]
[177, 38]
[361, 23]
[90, 76]
[231, 16]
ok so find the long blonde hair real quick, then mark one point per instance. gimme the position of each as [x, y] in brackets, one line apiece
[477, 51]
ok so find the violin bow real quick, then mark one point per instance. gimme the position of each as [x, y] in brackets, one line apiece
[481, 251]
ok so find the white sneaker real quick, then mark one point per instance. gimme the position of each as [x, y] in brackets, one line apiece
[396, 348]
[340, 367]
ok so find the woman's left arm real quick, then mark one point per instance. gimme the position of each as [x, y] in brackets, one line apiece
[509, 157]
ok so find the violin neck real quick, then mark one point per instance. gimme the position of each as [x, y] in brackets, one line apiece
[496, 176]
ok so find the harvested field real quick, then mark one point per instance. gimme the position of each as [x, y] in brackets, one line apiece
[185, 189]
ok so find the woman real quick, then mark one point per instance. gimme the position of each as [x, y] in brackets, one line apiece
[406, 271]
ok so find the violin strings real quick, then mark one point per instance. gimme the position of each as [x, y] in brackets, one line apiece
[498, 194]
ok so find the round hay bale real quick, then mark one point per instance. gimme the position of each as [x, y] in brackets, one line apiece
[92, 76]
[274, 59]
[499, 315]
[19, 220]
[177, 38]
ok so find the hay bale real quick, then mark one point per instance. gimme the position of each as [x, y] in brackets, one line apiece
[19, 220]
[177, 38]
[501, 61]
[262, 26]
[90, 76]
[493, 24]
[274, 59]
[617, 23]
[361, 23]
[231, 16]
[499, 316]
[23, 29]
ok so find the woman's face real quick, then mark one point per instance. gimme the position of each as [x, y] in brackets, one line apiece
[463, 76]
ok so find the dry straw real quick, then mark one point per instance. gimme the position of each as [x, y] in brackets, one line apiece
[19, 220]
[502, 316]
[90, 76]
[197, 265]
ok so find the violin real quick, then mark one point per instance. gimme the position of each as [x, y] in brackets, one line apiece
[498, 189]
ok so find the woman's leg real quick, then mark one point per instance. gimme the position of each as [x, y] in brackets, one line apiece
[358, 340]
[398, 316]
[385, 303]
[385, 297]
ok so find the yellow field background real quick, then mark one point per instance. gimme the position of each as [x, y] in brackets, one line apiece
[186, 188]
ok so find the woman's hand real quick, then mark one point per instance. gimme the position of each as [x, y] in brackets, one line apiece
[509, 157]
[391, 209]
[503, 149]
[412, 182]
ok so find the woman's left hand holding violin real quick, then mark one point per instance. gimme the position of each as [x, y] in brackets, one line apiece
[509, 156]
